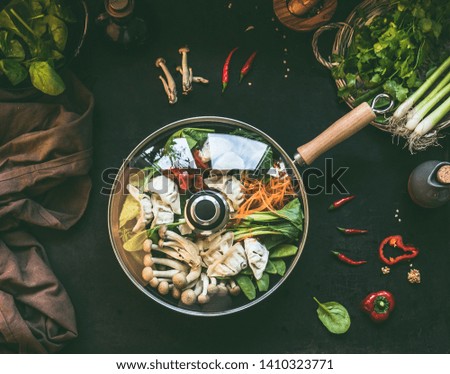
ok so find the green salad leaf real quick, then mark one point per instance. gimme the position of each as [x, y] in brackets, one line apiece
[334, 316]
[283, 250]
[280, 265]
[195, 137]
[263, 283]
[15, 72]
[393, 52]
[246, 285]
[34, 33]
[46, 79]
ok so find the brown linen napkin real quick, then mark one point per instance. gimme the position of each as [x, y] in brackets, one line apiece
[45, 155]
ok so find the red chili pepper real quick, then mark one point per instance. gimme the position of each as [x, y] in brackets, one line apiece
[352, 231]
[340, 202]
[347, 260]
[378, 305]
[198, 160]
[183, 181]
[225, 69]
[396, 241]
[248, 64]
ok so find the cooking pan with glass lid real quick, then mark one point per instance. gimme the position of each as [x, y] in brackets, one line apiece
[208, 215]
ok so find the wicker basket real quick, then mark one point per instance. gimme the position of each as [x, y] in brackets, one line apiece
[370, 9]
[344, 37]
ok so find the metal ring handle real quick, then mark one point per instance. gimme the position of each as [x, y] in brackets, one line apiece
[315, 42]
[377, 99]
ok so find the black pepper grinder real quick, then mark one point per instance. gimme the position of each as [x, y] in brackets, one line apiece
[120, 23]
[429, 184]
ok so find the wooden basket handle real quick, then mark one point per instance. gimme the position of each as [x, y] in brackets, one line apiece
[341, 130]
[315, 42]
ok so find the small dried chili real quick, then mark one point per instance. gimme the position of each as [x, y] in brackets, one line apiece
[396, 241]
[352, 231]
[348, 260]
[340, 202]
[225, 70]
[246, 68]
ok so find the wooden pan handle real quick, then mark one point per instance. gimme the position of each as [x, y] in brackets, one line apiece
[342, 129]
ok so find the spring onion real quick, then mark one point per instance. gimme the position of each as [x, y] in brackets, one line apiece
[428, 104]
[426, 125]
[403, 109]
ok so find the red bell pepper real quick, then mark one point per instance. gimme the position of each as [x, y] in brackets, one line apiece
[378, 305]
[396, 241]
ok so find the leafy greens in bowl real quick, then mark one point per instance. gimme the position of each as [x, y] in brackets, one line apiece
[38, 37]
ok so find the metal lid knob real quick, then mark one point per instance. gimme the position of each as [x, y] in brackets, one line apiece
[206, 211]
[119, 8]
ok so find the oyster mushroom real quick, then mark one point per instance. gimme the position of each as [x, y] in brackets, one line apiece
[257, 255]
[168, 83]
[146, 208]
[167, 191]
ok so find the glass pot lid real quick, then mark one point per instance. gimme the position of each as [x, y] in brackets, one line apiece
[207, 216]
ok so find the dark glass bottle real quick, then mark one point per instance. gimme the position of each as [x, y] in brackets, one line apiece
[120, 23]
[429, 184]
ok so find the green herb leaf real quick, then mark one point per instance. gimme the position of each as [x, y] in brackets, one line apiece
[58, 30]
[263, 283]
[334, 316]
[283, 250]
[46, 79]
[10, 47]
[247, 286]
[270, 268]
[280, 265]
[14, 71]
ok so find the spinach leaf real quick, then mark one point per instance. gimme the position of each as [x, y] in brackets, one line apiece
[58, 9]
[283, 250]
[263, 283]
[59, 31]
[270, 268]
[46, 79]
[280, 266]
[13, 70]
[247, 286]
[195, 137]
[10, 47]
[334, 316]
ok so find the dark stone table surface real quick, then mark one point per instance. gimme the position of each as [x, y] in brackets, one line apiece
[115, 317]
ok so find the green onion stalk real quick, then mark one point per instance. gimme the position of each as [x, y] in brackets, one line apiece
[404, 108]
[400, 120]
[421, 138]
